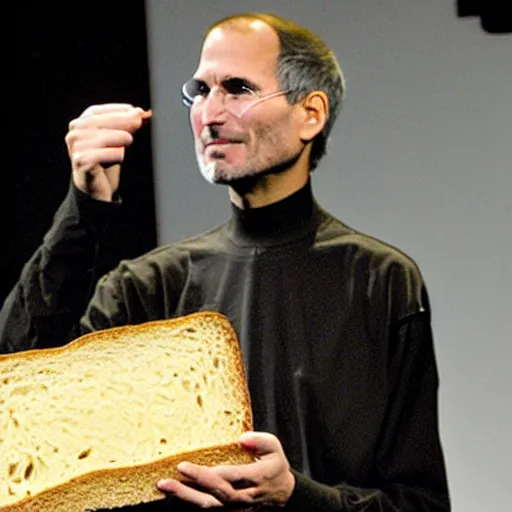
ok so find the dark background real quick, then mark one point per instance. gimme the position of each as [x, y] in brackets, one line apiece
[494, 15]
[64, 59]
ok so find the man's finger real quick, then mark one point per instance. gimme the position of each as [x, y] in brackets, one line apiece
[203, 476]
[87, 160]
[82, 140]
[187, 493]
[128, 121]
[261, 443]
[237, 489]
[240, 476]
[107, 108]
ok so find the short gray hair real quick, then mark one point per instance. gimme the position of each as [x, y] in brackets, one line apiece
[305, 64]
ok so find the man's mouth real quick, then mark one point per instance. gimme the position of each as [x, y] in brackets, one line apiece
[218, 142]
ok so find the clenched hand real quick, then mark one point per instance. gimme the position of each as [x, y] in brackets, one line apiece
[96, 143]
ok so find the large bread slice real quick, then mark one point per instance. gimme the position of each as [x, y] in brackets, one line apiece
[96, 423]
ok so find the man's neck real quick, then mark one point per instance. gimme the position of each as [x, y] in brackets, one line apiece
[266, 189]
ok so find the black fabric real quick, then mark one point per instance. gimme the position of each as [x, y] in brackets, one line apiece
[335, 331]
[43, 308]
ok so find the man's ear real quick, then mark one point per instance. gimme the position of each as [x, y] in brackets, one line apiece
[314, 115]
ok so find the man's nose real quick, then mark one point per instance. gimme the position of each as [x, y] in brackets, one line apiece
[214, 108]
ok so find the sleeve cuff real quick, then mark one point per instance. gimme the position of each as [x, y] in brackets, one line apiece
[88, 208]
[79, 216]
[312, 496]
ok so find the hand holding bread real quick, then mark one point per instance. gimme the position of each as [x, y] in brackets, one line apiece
[268, 481]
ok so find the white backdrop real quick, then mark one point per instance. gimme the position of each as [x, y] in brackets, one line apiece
[421, 157]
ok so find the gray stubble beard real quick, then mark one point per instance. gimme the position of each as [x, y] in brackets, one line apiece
[212, 174]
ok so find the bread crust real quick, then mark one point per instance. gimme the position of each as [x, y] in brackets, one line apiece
[118, 487]
[130, 485]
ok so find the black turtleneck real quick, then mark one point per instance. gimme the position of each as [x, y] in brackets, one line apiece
[276, 223]
[335, 332]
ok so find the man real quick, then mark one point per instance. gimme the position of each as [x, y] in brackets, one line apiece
[334, 325]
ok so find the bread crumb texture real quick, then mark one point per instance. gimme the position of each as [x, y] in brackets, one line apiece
[118, 398]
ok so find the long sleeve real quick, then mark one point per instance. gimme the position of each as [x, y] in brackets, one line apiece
[410, 473]
[44, 307]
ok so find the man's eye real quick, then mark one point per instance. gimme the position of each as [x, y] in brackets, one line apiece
[201, 89]
[236, 87]
[194, 89]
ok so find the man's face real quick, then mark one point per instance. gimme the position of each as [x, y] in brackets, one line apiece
[229, 147]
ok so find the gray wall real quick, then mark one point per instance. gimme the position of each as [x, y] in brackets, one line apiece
[421, 157]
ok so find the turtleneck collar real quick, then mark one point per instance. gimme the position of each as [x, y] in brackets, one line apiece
[278, 223]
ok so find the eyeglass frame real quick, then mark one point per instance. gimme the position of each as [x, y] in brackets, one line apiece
[188, 101]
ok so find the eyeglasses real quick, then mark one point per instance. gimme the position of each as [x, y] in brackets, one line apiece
[236, 94]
